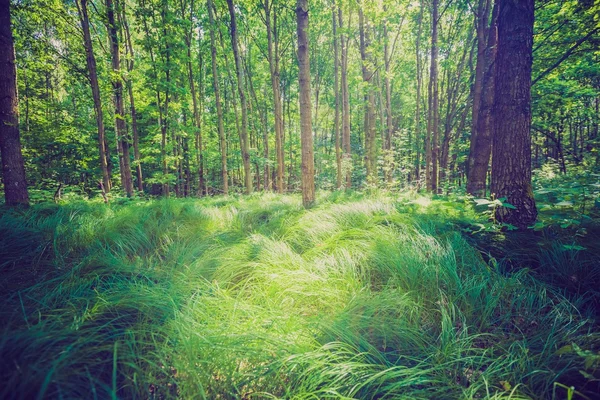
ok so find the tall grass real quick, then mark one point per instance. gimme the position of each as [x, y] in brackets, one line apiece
[253, 297]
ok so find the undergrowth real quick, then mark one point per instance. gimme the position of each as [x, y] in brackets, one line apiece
[366, 297]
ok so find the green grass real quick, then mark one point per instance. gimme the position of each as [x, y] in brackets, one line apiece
[363, 296]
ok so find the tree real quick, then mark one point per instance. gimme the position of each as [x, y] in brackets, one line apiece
[273, 58]
[215, 76]
[245, 146]
[511, 149]
[308, 168]
[369, 116]
[433, 116]
[13, 168]
[347, 149]
[122, 140]
[481, 132]
[93, 79]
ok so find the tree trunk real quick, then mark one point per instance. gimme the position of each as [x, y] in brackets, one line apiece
[418, 100]
[389, 131]
[240, 83]
[347, 151]
[13, 167]
[196, 111]
[273, 58]
[306, 138]
[367, 75]
[482, 15]
[511, 149]
[481, 134]
[93, 77]
[434, 102]
[336, 89]
[132, 110]
[120, 127]
[215, 76]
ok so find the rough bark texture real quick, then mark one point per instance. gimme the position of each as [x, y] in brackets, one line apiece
[482, 15]
[215, 76]
[93, 77]
[511, 149]
[121, 129]
[306, 139]
[481, 134]
[13, 169]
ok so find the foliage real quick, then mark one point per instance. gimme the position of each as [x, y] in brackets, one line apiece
[363, 296]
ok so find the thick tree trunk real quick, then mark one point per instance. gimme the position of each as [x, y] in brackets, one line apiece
[511, 149]
[347, 150]
[245, 148]
[13, 167]
[481, 135]
[93, 77]
[367, 75]
[306, 138]
[215, 76]
[120, 127]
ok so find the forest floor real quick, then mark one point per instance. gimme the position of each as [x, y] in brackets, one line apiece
[365, 296]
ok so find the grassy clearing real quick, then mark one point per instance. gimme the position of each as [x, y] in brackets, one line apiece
[253, 297]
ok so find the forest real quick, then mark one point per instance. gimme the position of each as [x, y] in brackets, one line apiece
[300, 199]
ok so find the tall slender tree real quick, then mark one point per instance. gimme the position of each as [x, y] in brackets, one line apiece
[244, 143]
[481, 132]
[217, 91]
[369, 116]
[346, 145]
[13, 167]
[511, 149]
[306, 136]
[273, 58]
[93, 79]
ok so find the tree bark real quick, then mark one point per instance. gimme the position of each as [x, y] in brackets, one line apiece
[389, 126]
[273, 58]
[433, 123]
[481, 135]
[215, 76]
[418, 99]
[132, 109]
[93, 77]
[13, 167]
[240, 84]
[511, 149]
[120, 127]
[195, 108]
[347, 150]
[369, 117]
[306, 138]
[336, 89]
